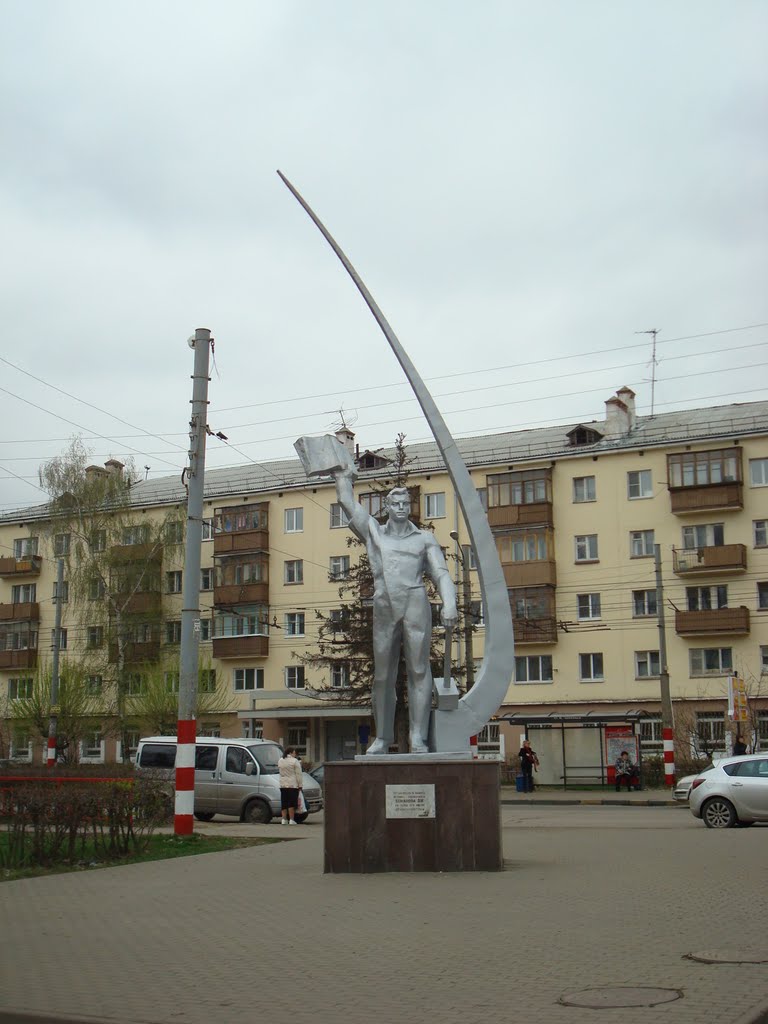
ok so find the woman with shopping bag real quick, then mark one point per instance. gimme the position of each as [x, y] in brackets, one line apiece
[289, 768]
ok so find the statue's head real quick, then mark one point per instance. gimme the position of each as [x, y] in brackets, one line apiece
[399, 504]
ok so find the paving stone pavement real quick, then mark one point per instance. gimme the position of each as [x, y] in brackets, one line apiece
[591, 896]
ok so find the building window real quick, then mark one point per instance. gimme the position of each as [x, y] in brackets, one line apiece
[173, 582]
[758, 472]
[338, 516]
[531, 546]
[482, 493]
[135, 684]
[588, 606]
[374, 503]
[64, 591]
[205, 630]
[92, 746]
[651, 736]
[20, 689]
[173, 532]
[761, 729]
[340, 675]
[584, 489]
[294, 677]
[139, 634]
[764, 660]
[586, 548]
[207, 680]
[338, 568]
[209, 729]
[131, 735]
[206, 579]
[476, 614]
[24, 593]
[643, 603]
[711, 661]
[297, 737]
[96, 589]
[62, 639]
[524, 487]
[173, 632]
[533, 668]
[708, 535]
[21, 746]
[762, 596]
[641, 543]
[171, 682]
[98, 541]
[94, 637]
[248, 624]
[241, 520]
[704, 599]
[698, 469]
[294, 624]
[138, 534]
[434, 505]
[591, 668]
[647, 665]
[25, 547]
[710, 732]
[249, 679]
[761, 533]
[94, 684]
[639, 484]
[338, 619]
[294, 571]
[208, 529]
[249, 572]
[294, 520]
[60, 545]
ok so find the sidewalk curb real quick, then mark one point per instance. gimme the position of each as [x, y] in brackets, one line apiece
[593, 802]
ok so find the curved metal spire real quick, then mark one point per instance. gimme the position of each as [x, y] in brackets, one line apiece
[486, 696]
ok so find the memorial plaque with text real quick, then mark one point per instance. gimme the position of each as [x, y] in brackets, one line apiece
[410, 801]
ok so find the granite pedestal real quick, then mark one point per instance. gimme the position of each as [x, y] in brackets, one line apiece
[412, 815]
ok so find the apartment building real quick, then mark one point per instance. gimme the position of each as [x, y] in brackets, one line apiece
[576, 511]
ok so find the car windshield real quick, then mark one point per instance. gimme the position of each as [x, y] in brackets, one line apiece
[267, 754]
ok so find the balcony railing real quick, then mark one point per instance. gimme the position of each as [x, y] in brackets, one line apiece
[25, 658]
[13, 567]
[537, 573]
[534, 514]
[22, 611]
[137, 553]
[241, 594]
[241, 541]
[714, 558]
[535, 631]
[134, 653]
[240, 646]
[712, 621]
[706, 498]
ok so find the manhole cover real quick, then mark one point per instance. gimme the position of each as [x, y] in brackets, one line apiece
[736, 955]
[620, 996]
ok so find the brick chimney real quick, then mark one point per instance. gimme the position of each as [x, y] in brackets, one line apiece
[617, 419]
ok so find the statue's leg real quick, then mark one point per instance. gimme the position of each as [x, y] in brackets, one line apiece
[417, 634]
[386, 653]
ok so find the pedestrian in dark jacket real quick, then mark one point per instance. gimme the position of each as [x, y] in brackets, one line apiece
[528, 763]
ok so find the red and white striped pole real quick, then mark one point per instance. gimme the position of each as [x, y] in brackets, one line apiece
[669, 756]
[183, 817]
[473, 747]
[53, 720]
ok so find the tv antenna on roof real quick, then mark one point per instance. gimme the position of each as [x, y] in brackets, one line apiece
[654, 363]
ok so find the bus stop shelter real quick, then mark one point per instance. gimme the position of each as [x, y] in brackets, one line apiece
[580, 750]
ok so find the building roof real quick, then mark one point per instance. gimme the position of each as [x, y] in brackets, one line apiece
[711, 423]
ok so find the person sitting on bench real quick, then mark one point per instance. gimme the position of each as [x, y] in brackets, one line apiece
[626, 772]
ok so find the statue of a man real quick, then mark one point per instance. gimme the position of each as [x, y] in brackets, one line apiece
[400, 554]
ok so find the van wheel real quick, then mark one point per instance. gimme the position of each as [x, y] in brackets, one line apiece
[301, 818]
[204, 815]
[257, 813]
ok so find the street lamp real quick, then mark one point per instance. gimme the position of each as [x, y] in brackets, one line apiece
[463, 551]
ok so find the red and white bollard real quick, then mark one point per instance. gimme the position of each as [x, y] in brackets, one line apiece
[669, 757]
[473, 747]
[183, 819]
[51, 755]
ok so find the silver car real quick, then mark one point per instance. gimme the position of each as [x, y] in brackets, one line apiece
[734, 791]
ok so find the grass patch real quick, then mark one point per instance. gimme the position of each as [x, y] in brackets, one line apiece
[159, 847]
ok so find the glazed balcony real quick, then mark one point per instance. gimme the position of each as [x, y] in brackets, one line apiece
[707, 498]
[25, 658]
[539, 573]
[534, 514]
[713, 621]
[240, 646]
[12, 568]
[721, 558]
[22, 611]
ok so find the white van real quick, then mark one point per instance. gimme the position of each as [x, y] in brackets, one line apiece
[232, 776]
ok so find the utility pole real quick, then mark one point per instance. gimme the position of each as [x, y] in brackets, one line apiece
[53, 720]
[190, 612]
[463, 552]
[667, 720]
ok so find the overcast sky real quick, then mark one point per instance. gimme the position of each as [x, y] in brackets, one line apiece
[523, 187]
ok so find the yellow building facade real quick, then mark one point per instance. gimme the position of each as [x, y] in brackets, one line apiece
[577, 512]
